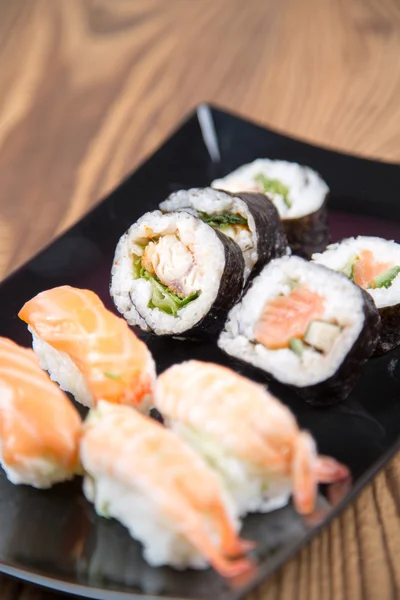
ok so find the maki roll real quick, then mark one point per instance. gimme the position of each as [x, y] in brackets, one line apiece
[144, 476]
[374, 264]
[251, 440]
[173, 274]
[89, 351]
[251, 220]
[39, 428]
[305, 325]
[299, 194]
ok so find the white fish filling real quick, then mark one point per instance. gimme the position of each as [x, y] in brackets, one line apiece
[337, 257]
[306, 189]
[252, 489]
[343, 304]
[214, 202]
[132, 296]
[37, 471]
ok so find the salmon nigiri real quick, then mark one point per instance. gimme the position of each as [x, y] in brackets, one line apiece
[87, 349]
[246, 434]
[165, 494]
[39, 427]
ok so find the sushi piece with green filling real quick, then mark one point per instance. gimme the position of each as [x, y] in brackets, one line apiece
[251, 220]
[374, 264]
[173, 274]
[299, 194]
[306, 326]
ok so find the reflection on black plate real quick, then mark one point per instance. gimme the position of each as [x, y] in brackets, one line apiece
[53, 537]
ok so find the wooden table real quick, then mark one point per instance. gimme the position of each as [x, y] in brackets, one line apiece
[89, 88]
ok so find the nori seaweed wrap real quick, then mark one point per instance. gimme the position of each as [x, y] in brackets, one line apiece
[299, 194]
[251, 220]
[175, 275]
[305, 326]
[374, 264]
[310, 233]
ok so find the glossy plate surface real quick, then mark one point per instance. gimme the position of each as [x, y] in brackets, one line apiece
[54, 537]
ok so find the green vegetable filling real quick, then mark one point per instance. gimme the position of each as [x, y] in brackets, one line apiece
[297, 346]
[104, 509]
[222, 221]
[349, 268]
[161, 297]
[112, 376]
[274, 186]
[320, 336]
[385, 279]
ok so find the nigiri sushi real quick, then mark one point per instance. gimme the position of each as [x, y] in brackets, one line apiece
[246, 435]
[87, 350]
[165, 494]
[39, 427]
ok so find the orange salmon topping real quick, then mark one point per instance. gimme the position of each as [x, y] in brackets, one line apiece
[36, 418]
[114, 362]
[287, 317]
[365, 269]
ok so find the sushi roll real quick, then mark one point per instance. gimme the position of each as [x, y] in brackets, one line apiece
[299, 194]
[39, 427]
[245, 434]
[374, 264]
[144, 476]
[173, 274]
[87, 350]
[306, 326]
[251, 220]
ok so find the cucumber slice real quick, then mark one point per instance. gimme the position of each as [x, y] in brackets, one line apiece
[349, 268]
[322, 335]
[274, 186]
[297, 346]
[385, 279]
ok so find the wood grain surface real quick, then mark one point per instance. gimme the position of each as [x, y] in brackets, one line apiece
[89, 88]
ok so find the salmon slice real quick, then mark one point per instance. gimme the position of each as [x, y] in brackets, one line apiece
[365, 269]
[36, 418]
[117, 366]
[287, 317]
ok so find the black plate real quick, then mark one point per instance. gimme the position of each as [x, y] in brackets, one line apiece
[54, 537]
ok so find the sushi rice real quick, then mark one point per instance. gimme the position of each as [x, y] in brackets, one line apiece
[127, 480]
[354, 320]
[307, 191]
[299, 194]
[62, 370]
[190, 258]
[252, 489]
[374, 264]
[260, 235]
[214, 202]
[341, 255]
